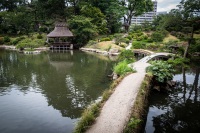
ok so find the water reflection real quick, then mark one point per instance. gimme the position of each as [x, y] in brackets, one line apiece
[50, 85]
[178, 111]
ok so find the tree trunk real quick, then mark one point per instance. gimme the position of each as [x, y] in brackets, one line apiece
[189, 42]
[184, 83]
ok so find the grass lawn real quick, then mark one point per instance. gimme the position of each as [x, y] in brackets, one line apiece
[170, 38]
[105, 45]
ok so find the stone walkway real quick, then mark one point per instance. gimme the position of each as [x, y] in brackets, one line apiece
[117, 109]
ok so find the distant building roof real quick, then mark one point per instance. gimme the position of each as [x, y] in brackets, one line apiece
[60, 30]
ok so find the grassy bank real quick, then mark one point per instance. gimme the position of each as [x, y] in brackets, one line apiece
[136, 122]
[92, 112]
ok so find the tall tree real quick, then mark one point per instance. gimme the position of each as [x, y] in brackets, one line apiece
[98, 18]
[51, 8]
[135, 8]
[9, 5]
[191, 12]
[113, 10]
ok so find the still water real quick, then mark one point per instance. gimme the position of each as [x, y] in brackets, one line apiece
[179, 110]
[46, 93]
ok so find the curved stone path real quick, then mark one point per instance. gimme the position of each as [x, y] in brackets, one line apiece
[117, 109]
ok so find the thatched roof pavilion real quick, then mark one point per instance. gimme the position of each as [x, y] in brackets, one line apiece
[60, 35]
[60, 30]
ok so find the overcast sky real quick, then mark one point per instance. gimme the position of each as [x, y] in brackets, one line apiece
[167, 5]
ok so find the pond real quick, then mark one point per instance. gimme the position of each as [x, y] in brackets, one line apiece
[177, 111]
[47, 92]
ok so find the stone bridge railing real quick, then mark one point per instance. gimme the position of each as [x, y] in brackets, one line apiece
[142, 51]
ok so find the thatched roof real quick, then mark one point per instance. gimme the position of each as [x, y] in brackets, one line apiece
[60, 30]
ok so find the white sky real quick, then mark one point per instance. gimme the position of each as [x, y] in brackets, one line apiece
[167, 5]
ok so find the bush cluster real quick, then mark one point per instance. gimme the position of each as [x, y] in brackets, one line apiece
[161, 70]
[122, 68]
[127, 55]
[39, 36]
[6, 39]
[138, 45]
[17, 40]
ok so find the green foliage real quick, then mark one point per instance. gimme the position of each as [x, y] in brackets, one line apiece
[138, 45]
[6, 39]
[122, 68]
[17, 40]
[39, 36]
[30, 43]
[161, 70]
[179, 62]
[83, 29]
[97, 17]
[123, 45]
[118, 38]
[133, 123]
[92, 42]
[140, 38]
[149, 39]
[125, 40]
[152, 46]
[134, 8]
[126, 55]
[87, 118]
[157, 36]
[105, 39]
[195, 47]
[1, 40]
[129, 37]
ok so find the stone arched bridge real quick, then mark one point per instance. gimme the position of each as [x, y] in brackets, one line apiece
[142, 51]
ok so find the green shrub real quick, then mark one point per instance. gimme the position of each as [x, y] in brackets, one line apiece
[111, 37]
[6, 39]
[133, 123]
[157, 36]
[87, 118]
[145, 37]
[125, 40]
[43, 29]
[139, 34]
[117, 35]
[140, 38]
[165, 32]
[1, 40]
[149, 39]
[138, 45]
[39, 36]
[161, 70]
[129, 37]
[152, 46]
[105, 39]
[127, 55]
[17, 40]
[21, 45]
[123, 45]
[122, 68]
[179, 61]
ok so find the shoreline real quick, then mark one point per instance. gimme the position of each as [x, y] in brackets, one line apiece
[36, 50]
[103, 52]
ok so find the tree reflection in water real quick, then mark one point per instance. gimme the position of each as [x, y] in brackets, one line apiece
[68, 82]
[178, 111]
